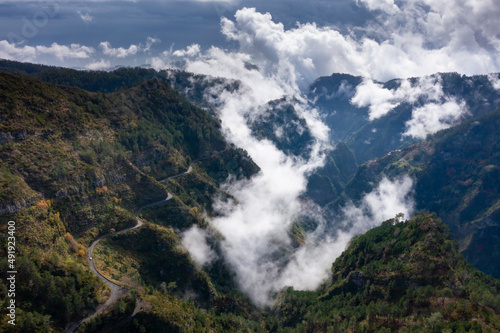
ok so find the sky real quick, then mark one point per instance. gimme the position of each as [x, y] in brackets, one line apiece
[381, 39]
[290, 43]
[172, 23]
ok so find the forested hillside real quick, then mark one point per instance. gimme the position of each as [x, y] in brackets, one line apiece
[77, 164]
[82, 152]
[399, 277]
[456, 174]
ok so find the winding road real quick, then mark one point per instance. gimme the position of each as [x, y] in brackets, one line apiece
[116, 290]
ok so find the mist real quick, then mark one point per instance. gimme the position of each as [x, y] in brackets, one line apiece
[432, 110]
[257, 245]
[274, 62]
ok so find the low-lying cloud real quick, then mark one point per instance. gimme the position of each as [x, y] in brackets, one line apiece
[389, 198]
[273, 62]
[257, 243]
[406, 39]
[99, 65]
[433, 117]
[495, 80]
[431, 109]
[195, 240]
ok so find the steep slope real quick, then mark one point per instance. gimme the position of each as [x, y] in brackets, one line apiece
[399, 277]
[77, 164]
[456, 174]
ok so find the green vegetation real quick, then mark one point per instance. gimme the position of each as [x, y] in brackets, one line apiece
[77, 164]
[457, 175]
[153, 257]
[399, 277]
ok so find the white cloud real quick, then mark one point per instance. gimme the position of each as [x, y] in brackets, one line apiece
[63, 51]
[433, 117]
[387, 6]
[119, 52]
[379, 99]
[18, 52]
[495, 80]
[415, 42]
[149, 43]
[384, 202]
[195, 240]
[133, 49]
[86, 17]
[99, 65]
[190, 51]
[257, 227]
[432, 110]
[13, 52]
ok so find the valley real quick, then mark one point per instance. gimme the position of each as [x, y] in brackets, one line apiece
[135, 205]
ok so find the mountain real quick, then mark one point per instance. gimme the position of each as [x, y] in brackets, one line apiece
[83, 152]
[399, 277]
[77, 164]
[456, 174]
[350, 122]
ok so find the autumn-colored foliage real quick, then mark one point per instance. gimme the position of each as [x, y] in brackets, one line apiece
[44, 204]
[101, 190]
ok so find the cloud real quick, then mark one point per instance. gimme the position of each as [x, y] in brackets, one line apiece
[86, 17]
[18, 52]
[257, 228]
[119, 52]
[149, 43]
[379, 99]
[413, 42]
[389, 198]
[133, 49]
[495, 81]
[190, 51]
[99, 65]
[12, 51]
[195, 240]
[62, 51]
[431, 109]
[387, 6]
[256, 244]
[433, 117]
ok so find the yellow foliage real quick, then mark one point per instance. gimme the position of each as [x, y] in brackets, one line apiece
[77, 248]
[101, 190]
[117, 200]
[194, 209]
[44, 204]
